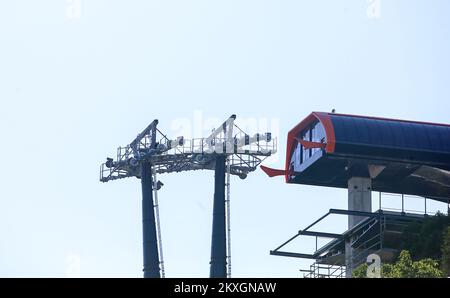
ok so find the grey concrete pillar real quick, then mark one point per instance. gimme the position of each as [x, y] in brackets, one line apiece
[348, 259]
[359, 199]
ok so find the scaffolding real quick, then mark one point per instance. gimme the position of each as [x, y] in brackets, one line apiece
[378, 233]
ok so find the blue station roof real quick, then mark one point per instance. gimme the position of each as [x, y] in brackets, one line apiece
[428, 143]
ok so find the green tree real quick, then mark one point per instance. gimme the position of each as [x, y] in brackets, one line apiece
[426, 268]
[445, 249]
[424, 240]
[360, 271]
[405, 267]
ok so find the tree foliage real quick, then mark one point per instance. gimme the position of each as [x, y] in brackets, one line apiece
[360, 271]
[423, 240]
[405, 267]
[425, 251]
[445, 263]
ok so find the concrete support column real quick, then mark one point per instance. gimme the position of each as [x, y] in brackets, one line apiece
[359, 199]
[348, 259]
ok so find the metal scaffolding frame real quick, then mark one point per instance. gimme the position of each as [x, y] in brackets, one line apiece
[365, 238]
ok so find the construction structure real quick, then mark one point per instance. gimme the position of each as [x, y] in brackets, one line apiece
[227, 151]
[365, 154]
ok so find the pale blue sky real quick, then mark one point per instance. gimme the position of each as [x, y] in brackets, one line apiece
[72, 90]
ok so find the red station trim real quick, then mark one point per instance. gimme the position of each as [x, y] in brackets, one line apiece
[325, 119]
[272, 172]
[311, 145]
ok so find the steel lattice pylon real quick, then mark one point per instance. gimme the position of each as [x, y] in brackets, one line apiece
[167, 156]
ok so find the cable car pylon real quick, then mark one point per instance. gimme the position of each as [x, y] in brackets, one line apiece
[226, 152]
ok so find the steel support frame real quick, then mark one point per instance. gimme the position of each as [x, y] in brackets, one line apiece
[306, 232]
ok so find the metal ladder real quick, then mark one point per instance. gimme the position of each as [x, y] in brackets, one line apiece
[158, 225]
